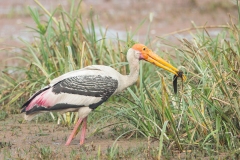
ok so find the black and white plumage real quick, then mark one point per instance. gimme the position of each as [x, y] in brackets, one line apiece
[85, 89]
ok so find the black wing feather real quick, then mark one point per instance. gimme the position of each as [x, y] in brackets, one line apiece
[88, 85]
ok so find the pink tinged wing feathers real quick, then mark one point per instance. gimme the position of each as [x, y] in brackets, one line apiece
[43, 99]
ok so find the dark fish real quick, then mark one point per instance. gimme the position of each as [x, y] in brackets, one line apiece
[175, 77]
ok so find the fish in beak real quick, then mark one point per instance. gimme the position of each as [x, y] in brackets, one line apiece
[148, 55]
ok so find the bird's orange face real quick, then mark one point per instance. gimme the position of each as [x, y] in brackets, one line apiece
[148, 55]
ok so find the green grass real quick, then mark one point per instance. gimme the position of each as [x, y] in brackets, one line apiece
[3, 115]
[202, 119]
[205, 114]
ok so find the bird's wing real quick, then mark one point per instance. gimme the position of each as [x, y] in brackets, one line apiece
[87, 85]
[74, 92]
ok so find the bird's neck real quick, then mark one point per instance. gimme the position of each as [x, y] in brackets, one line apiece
[134, 72]
[133, 75]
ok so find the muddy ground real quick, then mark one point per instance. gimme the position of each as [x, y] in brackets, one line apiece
[23, 139]
[43, 140]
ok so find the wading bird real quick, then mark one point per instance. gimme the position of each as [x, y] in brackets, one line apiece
[85, 89]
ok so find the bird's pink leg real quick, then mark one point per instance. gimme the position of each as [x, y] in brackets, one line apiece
[73, 132]
[84, 127]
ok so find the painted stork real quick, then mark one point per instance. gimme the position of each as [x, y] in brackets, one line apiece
[85, 89]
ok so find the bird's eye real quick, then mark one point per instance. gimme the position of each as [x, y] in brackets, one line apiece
[144, 48]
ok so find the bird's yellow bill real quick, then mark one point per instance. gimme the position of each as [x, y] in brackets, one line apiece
[158, 61]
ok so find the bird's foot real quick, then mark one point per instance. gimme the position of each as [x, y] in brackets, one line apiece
[81, 143]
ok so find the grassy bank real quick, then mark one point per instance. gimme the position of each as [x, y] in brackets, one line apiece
[201, 120]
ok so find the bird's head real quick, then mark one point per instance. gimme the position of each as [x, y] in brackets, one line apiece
[144, 53]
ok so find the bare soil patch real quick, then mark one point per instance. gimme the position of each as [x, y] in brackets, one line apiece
[21, 139]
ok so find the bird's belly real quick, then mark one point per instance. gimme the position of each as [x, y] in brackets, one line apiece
[67, 110]
[83, 111]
